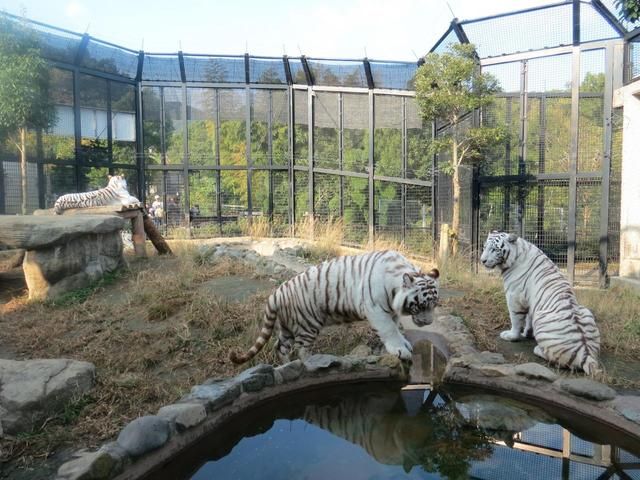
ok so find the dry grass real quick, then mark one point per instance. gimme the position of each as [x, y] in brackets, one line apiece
[152, 333]
[617, 311]
[327, 238]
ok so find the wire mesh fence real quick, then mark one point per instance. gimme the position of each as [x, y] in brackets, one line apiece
[269, 144]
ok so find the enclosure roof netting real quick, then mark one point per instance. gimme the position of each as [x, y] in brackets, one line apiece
[69, 48]
[537, 28]
[531, 29]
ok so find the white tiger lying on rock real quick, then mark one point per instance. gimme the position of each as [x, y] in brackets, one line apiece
[378, 286]
[537, 291]
[114, 194]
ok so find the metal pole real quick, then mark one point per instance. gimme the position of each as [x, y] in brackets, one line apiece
[541, 168]
[109, 129]
[76, 124]
[185, 157]
[573, 165]
[403, 187]
[506, 200]
[371, 166]
[434, 193]
[310, 95]
[341, 150]
[2, 192]
[248, 151]
[270, 158]
[140, 160]
[39, 168]
[522, 154]
[606, 169]
[292, 178]
[217, 162]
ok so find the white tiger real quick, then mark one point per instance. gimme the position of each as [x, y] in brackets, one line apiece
[378, 286]
[115, 193]
[566, 332]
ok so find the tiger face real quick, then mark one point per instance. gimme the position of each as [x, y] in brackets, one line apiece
[117, 182]
[497, 248]
[421, 297]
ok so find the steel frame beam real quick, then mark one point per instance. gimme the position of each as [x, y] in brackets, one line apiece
[603, 252]
[573, 164]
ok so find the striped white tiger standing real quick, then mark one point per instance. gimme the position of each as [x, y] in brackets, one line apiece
[541, 300]
[380, 287]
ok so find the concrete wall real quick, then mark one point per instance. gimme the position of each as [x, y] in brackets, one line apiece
[629, 98]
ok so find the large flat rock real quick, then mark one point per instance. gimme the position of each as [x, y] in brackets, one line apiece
[34, 390]
[37, 232]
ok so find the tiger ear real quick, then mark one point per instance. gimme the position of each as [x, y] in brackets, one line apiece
[109, 177]
[512, 237]
[434, 273]
[407, 280]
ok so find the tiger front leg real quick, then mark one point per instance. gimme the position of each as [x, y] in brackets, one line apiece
[394, 342]
[517, 314]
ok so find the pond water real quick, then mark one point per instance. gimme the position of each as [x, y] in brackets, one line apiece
[381, 432]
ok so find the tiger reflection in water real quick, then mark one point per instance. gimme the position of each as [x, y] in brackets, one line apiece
[439, 438]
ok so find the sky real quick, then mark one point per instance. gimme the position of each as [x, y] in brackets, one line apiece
[378, 29]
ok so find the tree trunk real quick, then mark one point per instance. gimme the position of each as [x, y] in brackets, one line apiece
[154, 235]
[455, 183]
[455, 221]
[23, 168]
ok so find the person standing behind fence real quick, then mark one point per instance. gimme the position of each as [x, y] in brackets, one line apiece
[158, 210]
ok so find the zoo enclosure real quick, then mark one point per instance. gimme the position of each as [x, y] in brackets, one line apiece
[229, 141]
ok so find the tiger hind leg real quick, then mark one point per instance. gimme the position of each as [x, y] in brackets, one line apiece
[283, 346]
[304, 339]
[540, 353]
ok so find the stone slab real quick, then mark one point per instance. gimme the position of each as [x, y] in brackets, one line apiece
[36, 232]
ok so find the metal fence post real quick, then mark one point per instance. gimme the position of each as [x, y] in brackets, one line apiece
[371, 167]
[573, 164]
[603, 256]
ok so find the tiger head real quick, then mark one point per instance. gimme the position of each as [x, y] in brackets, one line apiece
[497, 250]
[420, 296]
[117, 182]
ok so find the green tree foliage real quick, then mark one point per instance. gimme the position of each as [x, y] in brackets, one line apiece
[24, 91]
[448, 87]
[628, 10]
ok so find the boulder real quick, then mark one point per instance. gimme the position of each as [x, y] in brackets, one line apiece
[90, 466]
[10, 259]
[535, 371]
[38, 232]
[33, 390]
[628, 406]
[184, 415]
[585, 388]
[64, 252]
[144, 434]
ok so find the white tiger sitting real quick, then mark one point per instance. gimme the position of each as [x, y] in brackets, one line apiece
[378, 286]
[566, 332]
[114, 194]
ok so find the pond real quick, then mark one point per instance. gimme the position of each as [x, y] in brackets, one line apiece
[382, 431]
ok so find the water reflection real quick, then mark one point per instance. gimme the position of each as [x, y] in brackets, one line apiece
[376, 433]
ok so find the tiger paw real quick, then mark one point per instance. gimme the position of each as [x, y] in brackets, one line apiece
[400, 351]
[510, 336]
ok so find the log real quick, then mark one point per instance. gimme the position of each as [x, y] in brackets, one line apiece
[154, 235]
